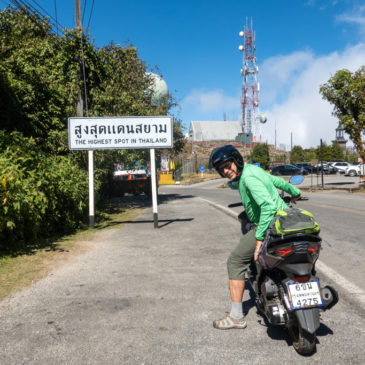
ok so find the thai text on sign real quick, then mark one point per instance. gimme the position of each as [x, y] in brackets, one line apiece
[120, 132]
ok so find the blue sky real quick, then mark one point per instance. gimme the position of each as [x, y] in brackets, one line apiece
[194, 44]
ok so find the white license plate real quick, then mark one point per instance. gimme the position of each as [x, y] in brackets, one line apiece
[304, 295]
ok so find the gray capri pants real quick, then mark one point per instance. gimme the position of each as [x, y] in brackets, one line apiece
[240, 258]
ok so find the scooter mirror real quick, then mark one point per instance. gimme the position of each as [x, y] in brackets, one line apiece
[296, 179]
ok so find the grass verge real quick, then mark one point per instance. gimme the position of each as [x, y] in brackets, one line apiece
[197, 178]
[21, 269]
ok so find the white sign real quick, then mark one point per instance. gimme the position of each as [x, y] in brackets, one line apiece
[120, 132]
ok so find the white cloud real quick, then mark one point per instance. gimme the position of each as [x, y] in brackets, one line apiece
[278, 73]
[207, 101]
[303, 112]
[356, 17]
[289, 96]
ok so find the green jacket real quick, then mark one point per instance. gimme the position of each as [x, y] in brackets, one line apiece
[260, 197]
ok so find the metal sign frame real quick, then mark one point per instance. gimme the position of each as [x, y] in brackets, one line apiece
[100, 133]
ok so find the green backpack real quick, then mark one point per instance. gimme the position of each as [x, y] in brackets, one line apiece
[291, 221]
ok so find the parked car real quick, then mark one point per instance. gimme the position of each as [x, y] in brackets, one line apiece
[341, 166]
[287, 170]
[354, 170]
[327, 169]
[133, 182]
[307, 166]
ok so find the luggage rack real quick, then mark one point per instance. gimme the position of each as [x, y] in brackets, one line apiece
[296, 237]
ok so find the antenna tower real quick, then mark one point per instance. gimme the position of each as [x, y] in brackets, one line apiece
[250, 118]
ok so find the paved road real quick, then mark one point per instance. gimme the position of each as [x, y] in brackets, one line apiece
[148, 296]
[340, 214]
[337, 181]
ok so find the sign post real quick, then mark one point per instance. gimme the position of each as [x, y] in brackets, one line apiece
[120, 133]
[91, 189]
[154, 187]
[202, 169]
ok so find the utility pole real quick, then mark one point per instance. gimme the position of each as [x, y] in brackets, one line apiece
[80, 113]
[78, 13]
[80, 101]
[322, 163]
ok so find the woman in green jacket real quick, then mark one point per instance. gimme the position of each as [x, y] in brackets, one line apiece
[261, 201]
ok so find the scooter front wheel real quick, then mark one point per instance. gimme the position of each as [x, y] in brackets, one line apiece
[303, 342]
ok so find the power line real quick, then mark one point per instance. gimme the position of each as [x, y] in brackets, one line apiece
[38, 9]
[45, 11]
[83, 11]
[30, 12]
[24, 4]
[91, 11]
[21, 5]
[55, 10]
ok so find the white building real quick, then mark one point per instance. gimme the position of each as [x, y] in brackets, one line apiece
[214, 131]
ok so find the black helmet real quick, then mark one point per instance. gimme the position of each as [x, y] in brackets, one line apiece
[223, 154]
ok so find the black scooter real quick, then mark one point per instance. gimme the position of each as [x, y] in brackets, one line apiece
[287, 291]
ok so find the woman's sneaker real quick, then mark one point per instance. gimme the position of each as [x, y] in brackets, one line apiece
[229, 322]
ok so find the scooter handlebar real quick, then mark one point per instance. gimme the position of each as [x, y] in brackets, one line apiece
[233, 205]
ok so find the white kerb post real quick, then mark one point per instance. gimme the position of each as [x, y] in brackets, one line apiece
[154, 188]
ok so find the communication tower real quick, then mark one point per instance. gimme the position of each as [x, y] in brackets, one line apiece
[250, 117]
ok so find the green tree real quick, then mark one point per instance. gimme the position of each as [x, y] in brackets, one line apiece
[41, 194]
[310, 154]
[10, 109]
[337, 152]
[40, 80]
[351, 156]
[260, 154]
[123, 90]
[26, 46]
[179, 139]
[346, 91]
[42, 71]
[297, 155]
[326, 150]
[43, 185]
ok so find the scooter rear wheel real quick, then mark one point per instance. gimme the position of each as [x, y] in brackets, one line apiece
[303, 342]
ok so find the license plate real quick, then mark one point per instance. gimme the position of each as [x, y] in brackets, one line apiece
[304, 295]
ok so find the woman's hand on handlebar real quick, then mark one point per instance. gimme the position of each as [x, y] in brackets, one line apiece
[294, 199]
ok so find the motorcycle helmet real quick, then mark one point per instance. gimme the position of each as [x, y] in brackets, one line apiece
[226, 153]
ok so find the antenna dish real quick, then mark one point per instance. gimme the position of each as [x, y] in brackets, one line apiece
[241, 33]
[241, 48]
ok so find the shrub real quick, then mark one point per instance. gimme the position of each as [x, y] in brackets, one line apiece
[40, 195]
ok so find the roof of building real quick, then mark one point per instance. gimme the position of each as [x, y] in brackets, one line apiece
[214, 131]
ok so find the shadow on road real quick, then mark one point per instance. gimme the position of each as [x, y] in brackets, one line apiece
[323, 330]
[165, 221]
[340, 183]
[143, 201]
[117, 204]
